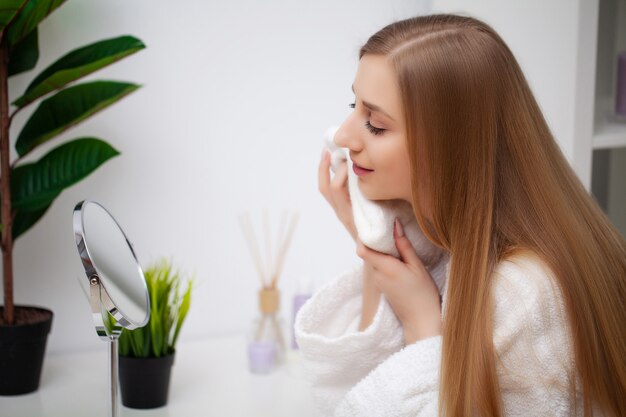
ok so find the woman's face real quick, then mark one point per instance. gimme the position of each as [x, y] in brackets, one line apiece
[374, 132]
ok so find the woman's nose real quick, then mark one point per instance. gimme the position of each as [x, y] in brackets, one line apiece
[346, 137]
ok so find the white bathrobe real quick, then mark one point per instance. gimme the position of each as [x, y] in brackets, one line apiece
[373, 373]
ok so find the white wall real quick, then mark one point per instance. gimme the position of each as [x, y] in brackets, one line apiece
[235, 99]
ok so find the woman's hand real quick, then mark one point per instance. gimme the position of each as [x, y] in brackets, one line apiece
[335, 191]
[337, 195]
[408, 286]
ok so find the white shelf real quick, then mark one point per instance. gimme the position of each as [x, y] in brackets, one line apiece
[608, 132]
[210, 378]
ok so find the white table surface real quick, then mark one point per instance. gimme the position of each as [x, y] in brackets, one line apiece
[210, 377]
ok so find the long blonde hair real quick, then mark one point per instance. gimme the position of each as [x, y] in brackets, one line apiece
[497, 182]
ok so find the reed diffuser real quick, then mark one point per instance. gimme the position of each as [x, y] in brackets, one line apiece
[266, 341]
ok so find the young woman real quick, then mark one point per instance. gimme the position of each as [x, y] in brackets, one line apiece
[532, 318]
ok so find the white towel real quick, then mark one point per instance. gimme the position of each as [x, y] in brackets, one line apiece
[374, 220]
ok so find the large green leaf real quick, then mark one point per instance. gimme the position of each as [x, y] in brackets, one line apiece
[29, 18]
[67, 108]
[24, 54]
[24, 220]
[77, 64]
[35, 185]
[8, 11]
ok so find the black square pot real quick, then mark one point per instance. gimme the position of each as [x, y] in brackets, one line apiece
[22, 350]
[144, 382]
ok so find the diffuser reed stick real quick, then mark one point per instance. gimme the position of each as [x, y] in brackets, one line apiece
[279, 333]
[280, 237]
[253, 247]
[283, 250]
[268, 244]
[270, 270]
[259, 331]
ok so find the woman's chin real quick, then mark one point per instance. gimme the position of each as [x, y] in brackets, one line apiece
[366, 191]
[374, 195]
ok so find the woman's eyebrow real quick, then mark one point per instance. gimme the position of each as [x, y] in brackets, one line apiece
[374, 107]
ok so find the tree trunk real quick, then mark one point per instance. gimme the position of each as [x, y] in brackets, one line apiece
[5, 185]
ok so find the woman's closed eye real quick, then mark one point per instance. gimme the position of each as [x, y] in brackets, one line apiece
[374, 130]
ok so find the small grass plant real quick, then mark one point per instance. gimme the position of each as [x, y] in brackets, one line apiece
[170, 298]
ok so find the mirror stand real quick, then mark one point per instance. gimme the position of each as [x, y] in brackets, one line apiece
[113, 376]
[109, 332]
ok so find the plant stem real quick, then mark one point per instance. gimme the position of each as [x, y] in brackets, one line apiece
[5, 185]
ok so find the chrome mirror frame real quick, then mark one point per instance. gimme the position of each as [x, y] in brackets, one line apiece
[100, 301]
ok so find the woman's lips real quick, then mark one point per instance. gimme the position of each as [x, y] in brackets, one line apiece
[360, 171]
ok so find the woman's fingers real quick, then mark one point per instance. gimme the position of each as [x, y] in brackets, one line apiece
[405, 248]
[341, 198]
[387, 264]
[335, 191]
[324, 176]
[338, 183]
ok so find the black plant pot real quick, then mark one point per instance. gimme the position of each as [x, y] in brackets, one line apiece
[144, 382]
[22, 349]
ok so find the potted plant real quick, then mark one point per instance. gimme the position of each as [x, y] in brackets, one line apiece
[146, 354]
[28, 189]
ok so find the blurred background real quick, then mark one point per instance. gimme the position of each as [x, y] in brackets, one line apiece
[230, 118]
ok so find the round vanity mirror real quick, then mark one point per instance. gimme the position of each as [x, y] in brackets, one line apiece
[117, 287]
[108, 258]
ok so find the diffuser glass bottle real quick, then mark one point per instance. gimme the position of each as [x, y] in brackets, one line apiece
[266, 338]
[266, 341]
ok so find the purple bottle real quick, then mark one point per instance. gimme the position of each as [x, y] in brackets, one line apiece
[304, 291]
[261, 356]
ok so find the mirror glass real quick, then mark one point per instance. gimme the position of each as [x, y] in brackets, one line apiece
[107, 253]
